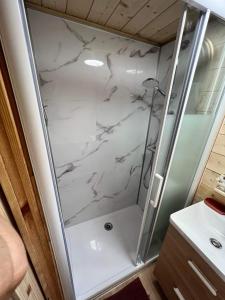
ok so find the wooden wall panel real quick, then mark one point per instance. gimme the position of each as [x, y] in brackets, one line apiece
[216, 162]
[209, 177]
[219, 146]
[214, 167]
[222, 130]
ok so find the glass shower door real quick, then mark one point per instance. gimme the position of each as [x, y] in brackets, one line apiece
[191, 32]
[200, 113]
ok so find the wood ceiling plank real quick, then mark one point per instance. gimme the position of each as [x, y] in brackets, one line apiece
[87, 22]
[167, 17]
[166, 33]
[34, 2]
[58, 5]
[79, 8]
[102, 10]
[125, 11]
[151, 10]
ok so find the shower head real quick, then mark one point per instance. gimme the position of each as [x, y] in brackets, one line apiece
[150, 83]
[153, 83]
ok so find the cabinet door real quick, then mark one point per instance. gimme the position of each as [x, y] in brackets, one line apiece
[180, 270]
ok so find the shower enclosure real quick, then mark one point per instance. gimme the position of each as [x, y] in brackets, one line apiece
[128, 124]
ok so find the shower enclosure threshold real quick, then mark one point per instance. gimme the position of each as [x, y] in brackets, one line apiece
[100, 257]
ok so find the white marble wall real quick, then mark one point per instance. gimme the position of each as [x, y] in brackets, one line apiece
[97, 116]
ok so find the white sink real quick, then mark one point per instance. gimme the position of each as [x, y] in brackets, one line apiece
[197, 224]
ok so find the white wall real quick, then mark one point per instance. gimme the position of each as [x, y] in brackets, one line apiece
[97, 116]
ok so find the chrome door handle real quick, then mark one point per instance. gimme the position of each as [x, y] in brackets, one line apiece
[204, 280]
[154, 202]
[178, 293]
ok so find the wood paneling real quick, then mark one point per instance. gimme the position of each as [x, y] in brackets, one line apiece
[153, 21]
[18, 184]
[146, 15]
[35, 2]
[124, 12]
[214, 167]
[102, 10]
[216, 163]
[166, 33]
[79, 8]
[59, 5]
[209, 177]
[219, 146]
[222, 130]
[167, 17]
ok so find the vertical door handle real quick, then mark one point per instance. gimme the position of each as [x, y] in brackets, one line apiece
[159, 178]
[178, 293]
[202, 277]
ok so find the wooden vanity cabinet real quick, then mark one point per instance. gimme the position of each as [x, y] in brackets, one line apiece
[183, 274]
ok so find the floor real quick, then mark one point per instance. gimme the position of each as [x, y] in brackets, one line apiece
[148, 280]
[100, 258]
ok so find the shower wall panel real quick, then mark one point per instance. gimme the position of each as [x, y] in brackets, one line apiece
[97, 112]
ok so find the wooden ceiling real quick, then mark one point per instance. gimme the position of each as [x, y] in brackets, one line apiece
[148, 20]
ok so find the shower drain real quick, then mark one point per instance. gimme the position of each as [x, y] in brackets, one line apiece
[215, 243]
[108, 226]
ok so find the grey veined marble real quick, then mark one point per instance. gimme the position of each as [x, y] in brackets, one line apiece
[97, 110]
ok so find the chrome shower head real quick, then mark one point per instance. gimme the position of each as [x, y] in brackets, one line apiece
[153, 83]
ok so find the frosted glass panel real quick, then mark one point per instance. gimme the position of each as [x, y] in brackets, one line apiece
[186, 159]
[165, 64]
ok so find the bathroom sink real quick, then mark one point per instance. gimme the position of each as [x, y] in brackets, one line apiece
[204, 229]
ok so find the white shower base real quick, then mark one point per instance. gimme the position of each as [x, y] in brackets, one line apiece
[100, 258]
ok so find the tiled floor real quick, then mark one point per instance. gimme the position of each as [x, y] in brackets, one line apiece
[100, 258]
